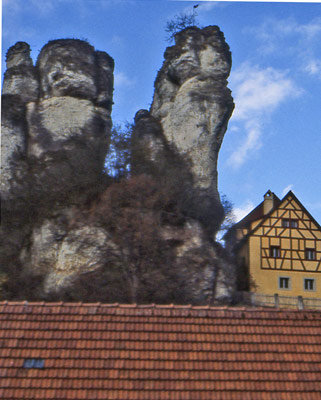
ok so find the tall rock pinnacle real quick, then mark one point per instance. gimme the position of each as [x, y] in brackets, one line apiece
[193, 103]
[56, 117]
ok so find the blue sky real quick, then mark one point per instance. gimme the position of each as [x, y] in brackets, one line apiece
[273, 139]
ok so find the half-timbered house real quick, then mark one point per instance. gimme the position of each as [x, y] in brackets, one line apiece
[278, 248]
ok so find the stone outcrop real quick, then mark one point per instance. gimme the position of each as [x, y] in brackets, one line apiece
[56, 123]
[64, 218]
[193, 104]
[21, 77]
[60, 253]
[57, 118]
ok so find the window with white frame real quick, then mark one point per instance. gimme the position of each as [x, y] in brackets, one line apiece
[309, 284]
[284, 282]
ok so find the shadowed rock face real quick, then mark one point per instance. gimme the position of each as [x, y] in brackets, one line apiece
[70, 67]
[151, 153]
[19, 54]
[56, 126]
[192, 101]
[62, 127]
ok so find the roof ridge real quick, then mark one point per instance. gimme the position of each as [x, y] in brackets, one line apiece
[156, 307]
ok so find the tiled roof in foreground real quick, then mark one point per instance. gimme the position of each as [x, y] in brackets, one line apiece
[100, 351]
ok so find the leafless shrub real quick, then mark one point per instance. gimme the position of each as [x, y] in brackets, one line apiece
[178, 23]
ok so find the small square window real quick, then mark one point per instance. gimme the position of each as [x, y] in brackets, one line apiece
[284, 282]
[309, 284]
[294, 223]
[275, 251]
[310, 254]
[289, 223]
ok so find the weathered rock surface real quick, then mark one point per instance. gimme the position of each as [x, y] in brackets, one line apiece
[13, 144]
[200, 263]
[69, 230]
[56, 126]
[193, 104]
[60, 253]
[151, 152]
[60, 123]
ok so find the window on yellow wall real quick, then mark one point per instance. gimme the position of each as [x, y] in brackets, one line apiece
[284, 282]
[275, 251]
[310, 254]
[294, 223]
[289, 223]
[309, 284]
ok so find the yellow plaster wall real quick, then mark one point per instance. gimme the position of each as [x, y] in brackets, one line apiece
[267, 280]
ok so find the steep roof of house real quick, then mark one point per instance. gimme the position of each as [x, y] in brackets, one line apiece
[100, 351]
[279, 203]
[258, 213]
[245, 222]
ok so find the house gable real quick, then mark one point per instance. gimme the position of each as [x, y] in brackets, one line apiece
[292, 229]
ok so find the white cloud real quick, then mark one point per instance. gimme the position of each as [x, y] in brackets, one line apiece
[275, 29]
[286, 189]
[259, 90]
[251, 144]
[257, 93]
[121, 80]
[310, 30]
[299, 41]
[207, 6]
[243, 210]
[313, 67]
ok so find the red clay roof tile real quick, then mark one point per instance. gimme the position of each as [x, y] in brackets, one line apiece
[93, 351]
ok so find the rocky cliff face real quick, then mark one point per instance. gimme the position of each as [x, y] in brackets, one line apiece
[66, 223]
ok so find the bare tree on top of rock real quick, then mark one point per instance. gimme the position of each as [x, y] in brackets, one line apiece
[180, 22]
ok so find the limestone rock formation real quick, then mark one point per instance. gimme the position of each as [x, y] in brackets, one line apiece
[151, 152]
[57, 118]
[21, 77]
[71, 231]
[56, 122]
[60, 253]
[193, 104]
